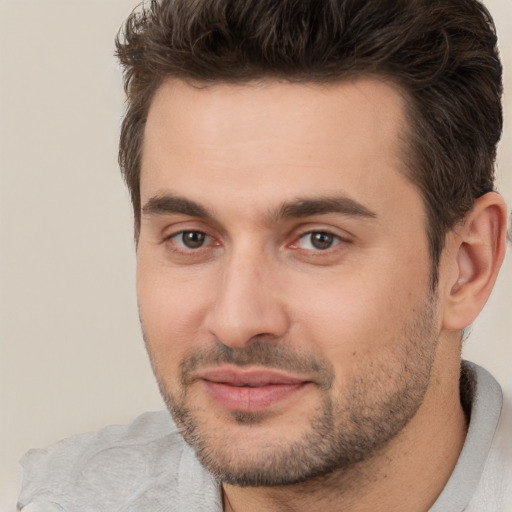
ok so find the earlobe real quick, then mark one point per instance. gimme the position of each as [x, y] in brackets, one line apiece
[478, 252]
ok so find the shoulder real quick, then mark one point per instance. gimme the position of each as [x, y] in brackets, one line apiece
[481, 478]
[494, 489]
[121, 467]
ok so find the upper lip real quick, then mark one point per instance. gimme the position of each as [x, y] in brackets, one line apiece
[254, 377]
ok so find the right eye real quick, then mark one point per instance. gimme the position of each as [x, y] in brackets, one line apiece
[190, 240]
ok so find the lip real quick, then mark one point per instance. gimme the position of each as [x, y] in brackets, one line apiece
[249, 390]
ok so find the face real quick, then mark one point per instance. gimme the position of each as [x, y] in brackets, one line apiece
[283, 274]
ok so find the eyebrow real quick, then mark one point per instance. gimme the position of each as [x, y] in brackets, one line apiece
[169, 203]
[297, 208]
[323, 205]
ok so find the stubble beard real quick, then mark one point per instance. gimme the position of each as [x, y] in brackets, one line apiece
[349, 426]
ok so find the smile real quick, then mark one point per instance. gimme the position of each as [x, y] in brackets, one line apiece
[249, 391]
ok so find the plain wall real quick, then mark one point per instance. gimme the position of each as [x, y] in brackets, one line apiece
[71, 353]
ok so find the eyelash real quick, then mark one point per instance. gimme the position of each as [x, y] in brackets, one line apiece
[179, 246]
[335, 240]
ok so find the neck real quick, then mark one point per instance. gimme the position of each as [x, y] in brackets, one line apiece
[407, 475]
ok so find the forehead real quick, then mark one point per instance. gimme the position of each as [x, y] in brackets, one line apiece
[281, 139]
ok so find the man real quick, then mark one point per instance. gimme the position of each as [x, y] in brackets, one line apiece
[316, 225]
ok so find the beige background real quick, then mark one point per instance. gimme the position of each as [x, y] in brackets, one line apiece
[71, 354]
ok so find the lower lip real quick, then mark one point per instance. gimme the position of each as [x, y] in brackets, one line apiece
[251, 399]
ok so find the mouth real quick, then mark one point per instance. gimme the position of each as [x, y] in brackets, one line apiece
[249, 390]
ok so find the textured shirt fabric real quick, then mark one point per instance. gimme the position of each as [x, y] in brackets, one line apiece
[146, 466]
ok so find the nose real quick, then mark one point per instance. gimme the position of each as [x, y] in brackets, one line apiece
[248, 302]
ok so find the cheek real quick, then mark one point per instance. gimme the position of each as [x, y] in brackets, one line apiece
[360, 315]
[171, 308]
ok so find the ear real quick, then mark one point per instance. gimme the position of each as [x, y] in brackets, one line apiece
[476, 253]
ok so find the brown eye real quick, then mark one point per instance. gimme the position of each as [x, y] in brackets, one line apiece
[190, 239]
[318, 240]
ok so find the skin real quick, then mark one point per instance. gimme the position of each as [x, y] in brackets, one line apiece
[376, 353]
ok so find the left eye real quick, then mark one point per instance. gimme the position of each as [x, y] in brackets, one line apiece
[191, 239]
[318, 241]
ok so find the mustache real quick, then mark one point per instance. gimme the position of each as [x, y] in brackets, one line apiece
[258, 353]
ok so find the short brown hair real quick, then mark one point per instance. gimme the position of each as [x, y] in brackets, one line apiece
[442, 53]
